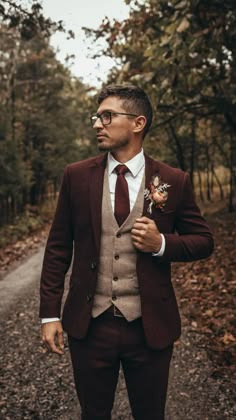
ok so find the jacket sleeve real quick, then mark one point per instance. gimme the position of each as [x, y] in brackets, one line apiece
[193, 239]
[58, 254]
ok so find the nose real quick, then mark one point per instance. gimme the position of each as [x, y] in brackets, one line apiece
[98, 123]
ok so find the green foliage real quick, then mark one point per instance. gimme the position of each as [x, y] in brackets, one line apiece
[183, 53]
[28, 22]
[12, 172]
[44, 121]
[22, 227]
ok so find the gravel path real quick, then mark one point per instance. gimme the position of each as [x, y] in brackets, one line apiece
[38, 385]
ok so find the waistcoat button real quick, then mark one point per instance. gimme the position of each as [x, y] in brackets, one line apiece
[118, 235]
[117, 257]
[115, 278]
[93, 265]
[89, 298]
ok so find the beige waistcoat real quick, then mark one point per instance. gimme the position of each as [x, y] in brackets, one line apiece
[117, 278]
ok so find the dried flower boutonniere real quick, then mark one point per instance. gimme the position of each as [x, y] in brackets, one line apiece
[156, 193]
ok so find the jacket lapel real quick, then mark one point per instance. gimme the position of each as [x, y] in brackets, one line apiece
[96, 178]
[151, 168]
[95, 195]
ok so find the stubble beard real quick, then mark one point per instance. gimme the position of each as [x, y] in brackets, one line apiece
[103, 147]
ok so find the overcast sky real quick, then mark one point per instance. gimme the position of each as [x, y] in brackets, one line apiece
[76, 14]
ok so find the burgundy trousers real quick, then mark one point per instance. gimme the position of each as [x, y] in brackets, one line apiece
[96, 360]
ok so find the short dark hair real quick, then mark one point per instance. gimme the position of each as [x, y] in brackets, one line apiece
[135, 101]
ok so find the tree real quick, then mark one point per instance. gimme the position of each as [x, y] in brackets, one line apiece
[28, 22]
[44, 123]
[183, 53]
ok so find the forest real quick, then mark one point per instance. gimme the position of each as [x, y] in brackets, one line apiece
[44, 118]
[182, 53]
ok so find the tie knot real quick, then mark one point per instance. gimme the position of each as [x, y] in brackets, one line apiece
[121, 169]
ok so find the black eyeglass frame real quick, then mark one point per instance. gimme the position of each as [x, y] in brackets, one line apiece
[110, 113]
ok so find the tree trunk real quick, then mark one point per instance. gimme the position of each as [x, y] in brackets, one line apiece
[192, 155]
[208, 185]
[179, 149]
[218, 183]
[232, 174]
[200, 186]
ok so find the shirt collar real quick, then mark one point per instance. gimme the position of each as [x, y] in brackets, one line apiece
[135, 164]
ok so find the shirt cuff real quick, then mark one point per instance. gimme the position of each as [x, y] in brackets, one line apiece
[162, 249]
[45, 320]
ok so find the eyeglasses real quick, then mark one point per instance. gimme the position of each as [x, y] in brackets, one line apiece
[106, 117]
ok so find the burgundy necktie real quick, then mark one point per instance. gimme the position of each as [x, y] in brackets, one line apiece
[122, 207]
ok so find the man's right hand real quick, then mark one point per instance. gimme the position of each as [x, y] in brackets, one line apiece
[52, 336]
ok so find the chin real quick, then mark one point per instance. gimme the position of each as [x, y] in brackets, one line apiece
[104, 147]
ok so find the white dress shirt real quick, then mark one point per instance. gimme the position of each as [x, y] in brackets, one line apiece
[134, 177]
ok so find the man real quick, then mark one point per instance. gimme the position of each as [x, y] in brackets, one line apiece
[124, 224]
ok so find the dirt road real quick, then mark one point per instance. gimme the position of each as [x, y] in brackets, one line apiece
[38, 385]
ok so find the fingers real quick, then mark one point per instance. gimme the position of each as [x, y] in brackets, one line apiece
[138, 233]
[145, 235]
[142, 222]
[143, 226]
[61, 341]
[138, 244]
[144, 219]
[52, 336]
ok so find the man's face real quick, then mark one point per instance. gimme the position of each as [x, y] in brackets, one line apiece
[118, 134]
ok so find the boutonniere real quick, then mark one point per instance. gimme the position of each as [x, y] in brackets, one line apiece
[156, 193]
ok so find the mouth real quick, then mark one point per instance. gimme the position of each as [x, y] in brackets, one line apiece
[101, 136]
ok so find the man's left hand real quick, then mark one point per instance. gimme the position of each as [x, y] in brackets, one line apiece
[146, 236]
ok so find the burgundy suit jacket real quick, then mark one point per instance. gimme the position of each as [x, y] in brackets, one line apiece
[76, 228]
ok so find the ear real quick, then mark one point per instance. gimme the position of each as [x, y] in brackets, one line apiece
[139, 123]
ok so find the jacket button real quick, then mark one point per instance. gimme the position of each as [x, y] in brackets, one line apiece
[115, 278]
[117, 257]
[114, 297]
[89, 298]
[93, 265]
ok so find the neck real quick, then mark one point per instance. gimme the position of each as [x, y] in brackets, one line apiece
[124, 156]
